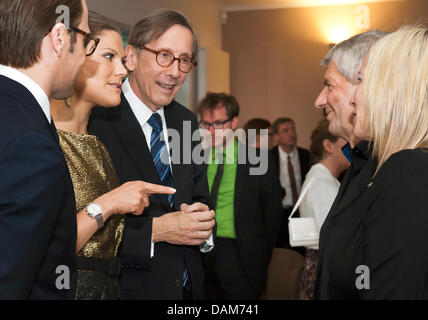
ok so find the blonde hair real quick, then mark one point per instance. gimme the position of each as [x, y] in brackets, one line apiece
[396, 89]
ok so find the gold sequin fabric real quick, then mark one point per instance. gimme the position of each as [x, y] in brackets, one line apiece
[92, 173]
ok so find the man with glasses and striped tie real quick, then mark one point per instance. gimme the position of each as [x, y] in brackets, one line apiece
[161, 249]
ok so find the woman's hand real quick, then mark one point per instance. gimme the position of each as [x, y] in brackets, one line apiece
[130, 197]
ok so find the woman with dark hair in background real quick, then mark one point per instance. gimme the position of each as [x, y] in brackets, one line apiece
[101, 202]
[323, 185]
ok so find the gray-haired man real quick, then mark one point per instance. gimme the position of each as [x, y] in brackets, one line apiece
[343, 62]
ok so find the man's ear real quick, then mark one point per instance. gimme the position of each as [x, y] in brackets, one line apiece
[58, 38]
[131, 58]
[327, 145]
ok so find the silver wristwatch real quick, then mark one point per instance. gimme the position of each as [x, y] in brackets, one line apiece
[94, 210]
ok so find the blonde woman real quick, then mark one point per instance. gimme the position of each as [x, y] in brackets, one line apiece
[381, 251]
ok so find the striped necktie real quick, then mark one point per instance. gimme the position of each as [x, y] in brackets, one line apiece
[160, 154]
[161, 160]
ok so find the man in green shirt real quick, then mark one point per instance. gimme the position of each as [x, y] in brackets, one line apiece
[247, 205]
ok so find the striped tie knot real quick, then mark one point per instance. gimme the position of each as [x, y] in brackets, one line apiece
[155, 122]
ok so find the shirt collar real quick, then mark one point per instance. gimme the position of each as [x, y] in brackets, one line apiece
[360, 154]
[346, 150]
[230, 153]
[141, 111]
[37, 92]
[285, 155]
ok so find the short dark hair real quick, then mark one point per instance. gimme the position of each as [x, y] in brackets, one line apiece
[155, 24]
[24, 24]
[213, 100]
[317, 137]
[99, 23]
[257, 124]
[278, 122]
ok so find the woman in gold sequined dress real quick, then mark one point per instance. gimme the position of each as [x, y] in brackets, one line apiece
[95, 182]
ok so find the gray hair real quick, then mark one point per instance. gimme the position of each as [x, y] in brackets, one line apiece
[349, 54]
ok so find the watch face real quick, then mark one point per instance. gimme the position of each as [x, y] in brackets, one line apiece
[94, 209]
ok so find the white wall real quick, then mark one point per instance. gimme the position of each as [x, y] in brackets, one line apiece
[203, 14]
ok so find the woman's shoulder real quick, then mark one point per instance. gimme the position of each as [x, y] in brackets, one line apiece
[409, 160]
[404, 168]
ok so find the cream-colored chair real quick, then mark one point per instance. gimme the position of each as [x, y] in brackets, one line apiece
[283, 276]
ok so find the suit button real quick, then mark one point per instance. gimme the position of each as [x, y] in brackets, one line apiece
[177, 283]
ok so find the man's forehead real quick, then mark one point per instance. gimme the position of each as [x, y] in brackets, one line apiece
[166, 40]
[288, 124]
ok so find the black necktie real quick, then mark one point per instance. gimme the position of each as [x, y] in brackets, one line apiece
[216, 184]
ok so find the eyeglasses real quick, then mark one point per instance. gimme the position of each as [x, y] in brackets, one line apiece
[165, 58]
[215, 124]
[90, 42]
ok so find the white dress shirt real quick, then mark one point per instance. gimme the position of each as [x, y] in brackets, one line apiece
[143, 114]
[284, 178]
[320, 196]
[37, 92]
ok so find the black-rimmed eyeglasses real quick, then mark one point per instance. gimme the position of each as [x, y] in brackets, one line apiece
[165, 58]
[90, 42]
[215, 124]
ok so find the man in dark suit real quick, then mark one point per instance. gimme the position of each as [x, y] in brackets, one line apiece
[247, 205]
[293, 164]
[340, 81]
[37, 207]
[160, 251]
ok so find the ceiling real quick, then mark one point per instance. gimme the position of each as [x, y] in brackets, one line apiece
[238, 5]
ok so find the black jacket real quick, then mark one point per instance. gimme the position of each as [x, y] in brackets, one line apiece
[257, 216]
[37, 208]
[159, 277]
[378, 226]
[304, 158]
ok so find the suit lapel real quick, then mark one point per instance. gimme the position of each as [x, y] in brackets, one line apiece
[240, 180]
[178, 168]
[352, 188]
[35, 116]
[133, 139]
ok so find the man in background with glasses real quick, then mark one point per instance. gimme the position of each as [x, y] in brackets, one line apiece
[160, 250]
[39, 59]
[247, 206]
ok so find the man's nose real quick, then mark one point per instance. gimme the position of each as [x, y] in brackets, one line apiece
[321, 100]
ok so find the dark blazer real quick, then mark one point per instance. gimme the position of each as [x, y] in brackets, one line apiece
[380, 224]
[37, 207]
[159, 277]
[257, 217]
[304, 158]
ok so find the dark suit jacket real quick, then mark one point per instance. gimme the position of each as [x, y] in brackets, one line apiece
[158, 277]
[380, 224]
[257, 208]
[37, 207]
[304, 158]
[351, 199]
